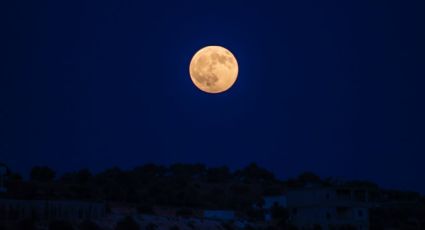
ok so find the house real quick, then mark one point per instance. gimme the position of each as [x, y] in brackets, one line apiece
[329, 208]
[270, 202]
[122, 209]
[14, 210]
[177, 211]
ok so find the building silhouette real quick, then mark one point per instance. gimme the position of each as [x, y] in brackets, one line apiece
[47, 210]
[329, 208]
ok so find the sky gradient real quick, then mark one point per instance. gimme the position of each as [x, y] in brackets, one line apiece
[334, 87]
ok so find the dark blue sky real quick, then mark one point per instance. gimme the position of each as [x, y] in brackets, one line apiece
[334, 87]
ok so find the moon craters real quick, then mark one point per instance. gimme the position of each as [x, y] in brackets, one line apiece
[213, 69]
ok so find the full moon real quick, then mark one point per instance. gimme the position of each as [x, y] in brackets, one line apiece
[213, 69]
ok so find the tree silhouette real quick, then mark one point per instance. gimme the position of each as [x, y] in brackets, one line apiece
[13, 176]
[42, 174]
[187, 170]
[81, 177]
[218, 175]
[279, 213]
[253, 173]
[309, 177]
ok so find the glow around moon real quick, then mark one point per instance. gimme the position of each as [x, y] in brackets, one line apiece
[213, 69]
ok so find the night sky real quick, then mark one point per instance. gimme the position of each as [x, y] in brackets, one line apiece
[333, 87]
